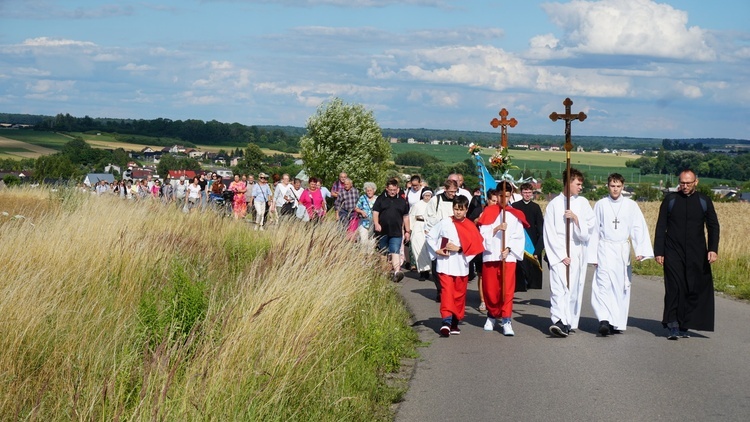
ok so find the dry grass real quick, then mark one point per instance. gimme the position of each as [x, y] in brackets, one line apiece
[114, 310]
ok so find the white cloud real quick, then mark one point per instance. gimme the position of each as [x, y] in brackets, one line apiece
[312, 94]
[493, 68]
[132, 67]
[107, 57]
[52, 42]
[474, 66]
[47, 85]
[743, 53]
[223, 77]
[629, 27]
[589, 82]
[49, 90]
[31, 71]
[191, 98]
[688, 91]
[436, 97]
[544, 47]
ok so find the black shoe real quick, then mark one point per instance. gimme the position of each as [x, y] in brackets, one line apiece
[674, 333]
[558, 329]
[398, 276]
[424, 275]
[604, 328]
[569, 330]
[613, 330]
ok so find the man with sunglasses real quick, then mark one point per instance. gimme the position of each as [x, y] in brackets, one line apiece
[680, 247]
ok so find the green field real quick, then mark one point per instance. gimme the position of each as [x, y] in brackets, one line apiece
[46, 139]
[103, 140]
[596, 165]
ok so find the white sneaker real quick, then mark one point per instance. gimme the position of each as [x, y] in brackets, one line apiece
[507, 329]
[490, 324]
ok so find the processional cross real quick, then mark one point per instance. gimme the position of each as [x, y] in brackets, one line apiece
[568, 117]
[503, 122]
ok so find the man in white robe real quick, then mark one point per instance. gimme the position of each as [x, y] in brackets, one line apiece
[565, 301]
[619, 223]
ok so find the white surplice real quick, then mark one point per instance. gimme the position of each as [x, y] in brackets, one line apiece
[456, 264]
[514, 239]
[618, 224]
[418, 236]
[565, 303]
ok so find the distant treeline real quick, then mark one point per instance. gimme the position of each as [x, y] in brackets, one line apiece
[189, 131]
[588, 142]
[720, 166]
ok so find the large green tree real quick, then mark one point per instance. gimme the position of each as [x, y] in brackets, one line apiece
[345, 137]
[170, 162]
[55, 166]
[253, 161]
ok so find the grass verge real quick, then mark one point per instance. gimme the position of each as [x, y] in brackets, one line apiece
[114, 310]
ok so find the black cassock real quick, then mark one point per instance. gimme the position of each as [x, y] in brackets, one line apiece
[681, 239]
[529, 272]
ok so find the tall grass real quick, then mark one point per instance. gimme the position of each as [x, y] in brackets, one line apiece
[112, 310]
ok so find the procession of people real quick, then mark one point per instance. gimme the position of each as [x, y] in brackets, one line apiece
[500, 237]
[505, 241]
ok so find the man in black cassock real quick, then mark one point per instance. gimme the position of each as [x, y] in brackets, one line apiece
[680, 246]
[529, 271]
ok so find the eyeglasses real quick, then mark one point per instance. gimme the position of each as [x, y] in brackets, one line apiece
[263, 178]
[687, 183]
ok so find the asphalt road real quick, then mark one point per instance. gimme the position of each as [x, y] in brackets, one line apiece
[635, 376]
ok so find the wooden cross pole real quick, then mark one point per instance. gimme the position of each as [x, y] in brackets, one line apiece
[568, 117]
[503, 122]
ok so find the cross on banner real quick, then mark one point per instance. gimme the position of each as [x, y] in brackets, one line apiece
[616, 221]
[504, 122]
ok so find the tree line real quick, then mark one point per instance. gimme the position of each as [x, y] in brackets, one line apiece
[715, 165]
[189, 132]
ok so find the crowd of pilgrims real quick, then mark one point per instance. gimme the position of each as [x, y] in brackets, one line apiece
[451, 236]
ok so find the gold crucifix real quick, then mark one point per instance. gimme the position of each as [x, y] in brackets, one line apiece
[503, 122]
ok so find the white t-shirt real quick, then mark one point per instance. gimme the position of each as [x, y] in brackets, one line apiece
[194, 191]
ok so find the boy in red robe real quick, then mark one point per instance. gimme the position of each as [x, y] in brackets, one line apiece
[454, 242]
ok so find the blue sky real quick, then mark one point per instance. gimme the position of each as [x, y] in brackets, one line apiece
[642, 68]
